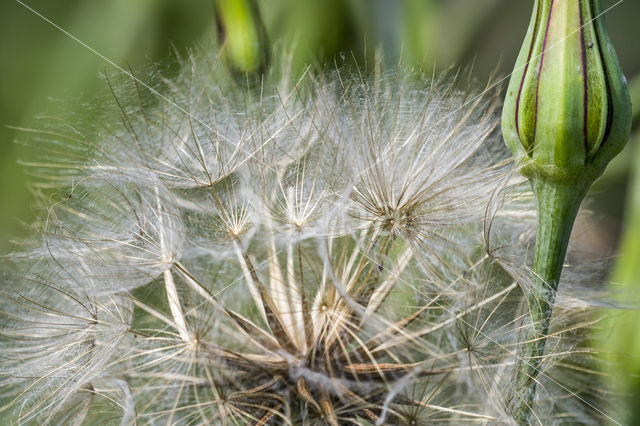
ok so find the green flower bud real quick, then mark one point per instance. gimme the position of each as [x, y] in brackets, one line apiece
[568, 105]
[566, 115]
[241, 30]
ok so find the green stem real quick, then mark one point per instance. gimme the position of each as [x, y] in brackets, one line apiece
[634, 89]
[558, 205]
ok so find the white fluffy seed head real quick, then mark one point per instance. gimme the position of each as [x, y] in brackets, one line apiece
[335, 249]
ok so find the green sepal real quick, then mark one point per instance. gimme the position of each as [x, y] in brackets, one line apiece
[620, 116]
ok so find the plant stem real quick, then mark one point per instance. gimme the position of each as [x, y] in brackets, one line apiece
[557, 205]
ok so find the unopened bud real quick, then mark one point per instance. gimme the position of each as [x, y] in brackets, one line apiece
[568, 105]
[566, 115]
[241, 30]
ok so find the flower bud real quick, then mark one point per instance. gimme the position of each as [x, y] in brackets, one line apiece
[241, 29]
[566, 115]
[568, 105]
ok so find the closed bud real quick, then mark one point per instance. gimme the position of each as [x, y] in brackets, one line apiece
[568, 105]
[566, 115]
[241, 30]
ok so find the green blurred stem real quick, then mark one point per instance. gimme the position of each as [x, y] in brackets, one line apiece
[623, 334]
[634, 91]
[242, 33]
[558, 205]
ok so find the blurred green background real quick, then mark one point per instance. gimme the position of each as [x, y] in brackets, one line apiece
[44, 72]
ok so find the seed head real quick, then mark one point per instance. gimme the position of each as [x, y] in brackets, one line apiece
[306, 252]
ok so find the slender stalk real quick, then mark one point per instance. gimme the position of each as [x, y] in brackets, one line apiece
[558, 206]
